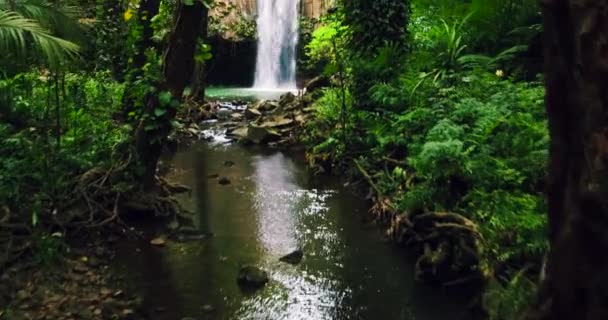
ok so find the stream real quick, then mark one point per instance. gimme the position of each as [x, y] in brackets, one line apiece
[271, 207]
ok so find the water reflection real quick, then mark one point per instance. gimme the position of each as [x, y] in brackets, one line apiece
[274, 203]
[289, 217]
[271, 208]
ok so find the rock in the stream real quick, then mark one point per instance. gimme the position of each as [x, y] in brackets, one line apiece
[240, 133]
[159, 242]
[293, 258]
[228, 163]
[252, 277]
[259, 135]
[224, 181]
[224, 113]
[251, 113]
[287, 99]
[265, 105]
[207, 308]
[278, 122]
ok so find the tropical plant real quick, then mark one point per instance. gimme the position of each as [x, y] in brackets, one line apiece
[16, 31]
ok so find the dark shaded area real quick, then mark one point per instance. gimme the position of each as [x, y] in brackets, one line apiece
[233, 62]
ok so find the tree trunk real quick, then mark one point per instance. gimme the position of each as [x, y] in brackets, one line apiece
[200, 70]
[576, 57]
[152, 131]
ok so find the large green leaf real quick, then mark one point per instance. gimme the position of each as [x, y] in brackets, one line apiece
[17, 32]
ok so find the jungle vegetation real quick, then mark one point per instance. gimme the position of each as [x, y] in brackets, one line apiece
[439, 105]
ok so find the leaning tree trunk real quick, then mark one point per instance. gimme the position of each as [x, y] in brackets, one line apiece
[178, 64]
[576, 56]
[200, 69]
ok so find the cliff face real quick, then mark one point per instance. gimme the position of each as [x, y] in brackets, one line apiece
[234, 54]
[309, 8]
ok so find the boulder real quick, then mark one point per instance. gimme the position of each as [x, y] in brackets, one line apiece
[259, 135]
[237, 116]
[278, 122]
[224, 113]
[240, 133]
[252, 277]
[294, 257]
[286, 99]
[251, 113]
[265, 105]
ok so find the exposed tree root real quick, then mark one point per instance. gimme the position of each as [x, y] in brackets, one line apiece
[98, 200]
[448, 245]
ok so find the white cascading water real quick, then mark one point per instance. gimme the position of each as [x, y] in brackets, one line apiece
[277, 40]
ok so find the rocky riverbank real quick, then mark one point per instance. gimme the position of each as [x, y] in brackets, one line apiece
[272, 123]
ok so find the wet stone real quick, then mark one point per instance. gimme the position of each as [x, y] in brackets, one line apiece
[252, 277]
[224, 181]
[207, 308]
[294, 257]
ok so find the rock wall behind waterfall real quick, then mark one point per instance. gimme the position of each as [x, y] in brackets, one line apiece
[234, 58]
[309, 8]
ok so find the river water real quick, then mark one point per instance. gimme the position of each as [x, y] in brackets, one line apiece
[272, 206]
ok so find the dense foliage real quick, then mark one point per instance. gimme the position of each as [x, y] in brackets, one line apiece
[67, 129]
[448, 126]
[436, 103]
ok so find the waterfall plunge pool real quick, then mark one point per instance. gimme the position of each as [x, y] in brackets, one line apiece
[248, 94]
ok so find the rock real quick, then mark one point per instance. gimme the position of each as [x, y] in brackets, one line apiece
[287, 99]
[251, 113]
[261, 135]
[240, 133]
[317, 83]
[228, 163]
[265, 105]
[224, 113]
[252, 277]
[293, 258]
[207, 308]
[224, 181]
[178, 188]
[159, 242]
[237, 116]
[277, 123]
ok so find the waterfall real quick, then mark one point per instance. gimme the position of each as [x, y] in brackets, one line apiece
[277, 40]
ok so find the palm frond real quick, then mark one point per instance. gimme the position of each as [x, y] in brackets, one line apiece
[60, 19]
[18, 32]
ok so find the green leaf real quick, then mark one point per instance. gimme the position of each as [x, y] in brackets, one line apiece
[165, 98]
[35, 218]
[159, 112]
[176, 124]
